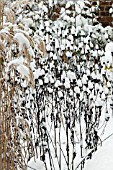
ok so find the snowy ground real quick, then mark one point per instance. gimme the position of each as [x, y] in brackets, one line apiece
[103, 158]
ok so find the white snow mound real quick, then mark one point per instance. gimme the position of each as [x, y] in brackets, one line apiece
[36, 164]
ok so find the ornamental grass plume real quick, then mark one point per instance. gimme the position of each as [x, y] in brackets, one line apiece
[13, 145]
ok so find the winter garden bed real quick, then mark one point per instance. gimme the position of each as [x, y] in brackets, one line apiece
[56, 85]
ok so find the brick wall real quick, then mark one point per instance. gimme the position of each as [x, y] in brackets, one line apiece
[103, 15]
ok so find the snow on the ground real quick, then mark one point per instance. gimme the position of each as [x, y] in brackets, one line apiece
[36, 164]
[103, 158]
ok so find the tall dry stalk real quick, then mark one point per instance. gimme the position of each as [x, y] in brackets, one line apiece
[1, 24]
[2, 3]
[0, 115]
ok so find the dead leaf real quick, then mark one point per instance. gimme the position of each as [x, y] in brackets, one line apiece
[42, 47]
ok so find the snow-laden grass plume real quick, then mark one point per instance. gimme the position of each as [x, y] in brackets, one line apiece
[16, 73]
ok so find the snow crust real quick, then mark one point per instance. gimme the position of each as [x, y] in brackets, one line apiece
[103, 158]
[36, 164]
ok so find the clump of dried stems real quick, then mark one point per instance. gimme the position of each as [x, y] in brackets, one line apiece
[11, 144]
